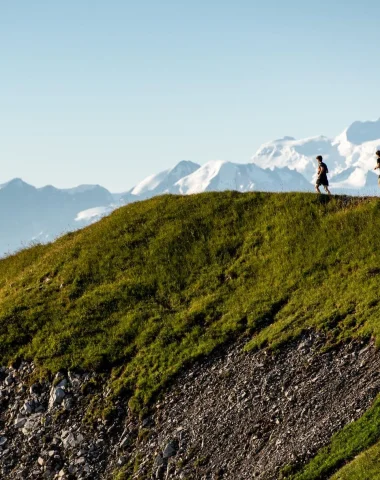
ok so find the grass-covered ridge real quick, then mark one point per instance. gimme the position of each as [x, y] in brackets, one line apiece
[366, 466]
[161, 282]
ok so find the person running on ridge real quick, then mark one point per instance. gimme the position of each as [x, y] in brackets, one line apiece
[322, 176]
[378, 165]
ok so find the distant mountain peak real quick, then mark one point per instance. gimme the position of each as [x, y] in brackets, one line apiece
[84, 188]
[361, 132]
[164, 182]
[287, 138]
[185, 163]
[348, 156]
[15, 183]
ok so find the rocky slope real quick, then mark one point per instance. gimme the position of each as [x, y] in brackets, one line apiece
[235, 415]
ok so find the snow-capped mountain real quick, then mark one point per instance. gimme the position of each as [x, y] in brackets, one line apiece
[219, 176]
[188, 177]
[349, 156]
[162, 182]
[40, 214]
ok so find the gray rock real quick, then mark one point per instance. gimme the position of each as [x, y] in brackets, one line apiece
[147, 422]
[20, 422]
[57, 395]
[68, 403]
[170, 449]
[71, 440]
[28, 407]
[9, 380]
[32, 424]
[87, 469]
[75, 380]
[38, 408]
[62, 384]
[3, 441]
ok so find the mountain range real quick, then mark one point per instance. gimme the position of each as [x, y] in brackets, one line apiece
[30, 214]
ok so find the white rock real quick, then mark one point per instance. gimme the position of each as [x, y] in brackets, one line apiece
[57, 395]
[33, 423]
[71, 440]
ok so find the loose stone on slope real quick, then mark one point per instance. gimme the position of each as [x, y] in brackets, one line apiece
[57, 395]
[9, 380]
[32, 424]
[20, 422]
[170, 449]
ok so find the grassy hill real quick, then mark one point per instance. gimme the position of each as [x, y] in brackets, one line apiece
[365, 466]
[160, 283]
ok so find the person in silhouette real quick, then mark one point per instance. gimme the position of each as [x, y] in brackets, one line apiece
[378, 165]
[322, 176]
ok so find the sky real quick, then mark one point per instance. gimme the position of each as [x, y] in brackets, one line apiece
[110, 91]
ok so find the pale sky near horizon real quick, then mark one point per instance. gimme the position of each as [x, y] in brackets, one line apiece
[111, 91]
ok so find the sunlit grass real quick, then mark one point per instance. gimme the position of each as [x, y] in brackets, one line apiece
[365, 466]
[160, 283]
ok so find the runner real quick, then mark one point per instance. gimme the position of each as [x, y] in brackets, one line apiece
[378, 165]
[322, 176]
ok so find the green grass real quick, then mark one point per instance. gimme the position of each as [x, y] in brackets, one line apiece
[160, 283]
[344, 446]
[366, 466]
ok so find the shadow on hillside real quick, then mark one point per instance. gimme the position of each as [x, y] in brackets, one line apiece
[323, 199]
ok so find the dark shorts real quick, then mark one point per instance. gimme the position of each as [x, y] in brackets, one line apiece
[322, 181]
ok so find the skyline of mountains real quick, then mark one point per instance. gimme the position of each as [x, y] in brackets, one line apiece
[350, 156]
[29, 214]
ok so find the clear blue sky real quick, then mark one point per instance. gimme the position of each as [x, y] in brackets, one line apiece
[110, 91]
